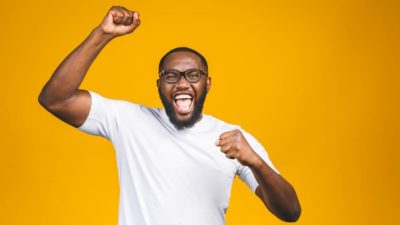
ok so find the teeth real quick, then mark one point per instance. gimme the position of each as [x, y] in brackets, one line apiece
[183, 97]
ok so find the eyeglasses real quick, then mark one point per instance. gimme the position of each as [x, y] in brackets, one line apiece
[191, 75]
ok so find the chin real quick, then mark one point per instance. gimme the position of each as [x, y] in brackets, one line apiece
[183, 118]
[183, 121]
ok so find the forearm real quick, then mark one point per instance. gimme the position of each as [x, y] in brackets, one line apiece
[68, 76]
[278, 195]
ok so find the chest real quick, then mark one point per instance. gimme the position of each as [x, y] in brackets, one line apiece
[183, 154]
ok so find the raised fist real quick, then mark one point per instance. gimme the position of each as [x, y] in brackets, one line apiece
[235, 146]
[120, 21]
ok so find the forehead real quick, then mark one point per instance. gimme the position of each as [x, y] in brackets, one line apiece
[182, 61]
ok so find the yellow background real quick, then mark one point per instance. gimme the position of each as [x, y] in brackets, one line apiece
[317, 82]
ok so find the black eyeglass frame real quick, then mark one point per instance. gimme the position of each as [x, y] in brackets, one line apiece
[184, 73]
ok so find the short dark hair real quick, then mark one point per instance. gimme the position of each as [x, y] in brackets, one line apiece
[183, 49]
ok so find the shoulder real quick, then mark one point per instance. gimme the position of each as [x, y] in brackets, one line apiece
[120, 106]
[219, 124]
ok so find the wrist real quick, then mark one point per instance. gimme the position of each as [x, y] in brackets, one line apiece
[256, 163]
[103, 36]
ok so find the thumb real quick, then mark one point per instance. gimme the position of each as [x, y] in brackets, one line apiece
[217, 142]
[136, 19]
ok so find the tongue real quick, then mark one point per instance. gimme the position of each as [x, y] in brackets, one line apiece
[183, 105]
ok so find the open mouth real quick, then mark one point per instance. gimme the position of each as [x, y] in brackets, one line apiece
[183, 103]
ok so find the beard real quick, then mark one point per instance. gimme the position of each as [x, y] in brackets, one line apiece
[196, 114]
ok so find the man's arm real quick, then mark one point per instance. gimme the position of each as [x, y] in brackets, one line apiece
[61, 96]
[276, 193]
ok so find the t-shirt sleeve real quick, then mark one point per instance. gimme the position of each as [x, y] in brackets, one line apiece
[244, 172]
[101, 120]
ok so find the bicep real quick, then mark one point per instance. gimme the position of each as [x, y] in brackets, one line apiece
[74, 110]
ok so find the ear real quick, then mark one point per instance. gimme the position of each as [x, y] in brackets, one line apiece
[208, 84]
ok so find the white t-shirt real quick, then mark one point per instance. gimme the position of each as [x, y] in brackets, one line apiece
[168, 176]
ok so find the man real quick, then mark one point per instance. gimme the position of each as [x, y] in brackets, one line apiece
[176, 166]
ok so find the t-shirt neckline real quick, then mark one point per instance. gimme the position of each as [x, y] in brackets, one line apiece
[199, 126]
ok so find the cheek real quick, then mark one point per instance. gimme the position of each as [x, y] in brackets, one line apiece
[199, 89]
[165, 90]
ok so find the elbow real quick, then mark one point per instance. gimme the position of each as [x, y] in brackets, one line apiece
[293, 215]
[42, 100]
[46, 102]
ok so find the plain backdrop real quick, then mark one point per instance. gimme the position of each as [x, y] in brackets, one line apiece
[316, 82]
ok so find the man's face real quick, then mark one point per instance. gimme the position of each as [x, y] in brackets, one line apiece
[183, 101]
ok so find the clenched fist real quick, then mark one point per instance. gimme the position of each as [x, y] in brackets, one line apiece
[120, 21]
[235, 146]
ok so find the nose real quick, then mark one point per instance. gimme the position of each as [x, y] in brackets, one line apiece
[182, 83]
